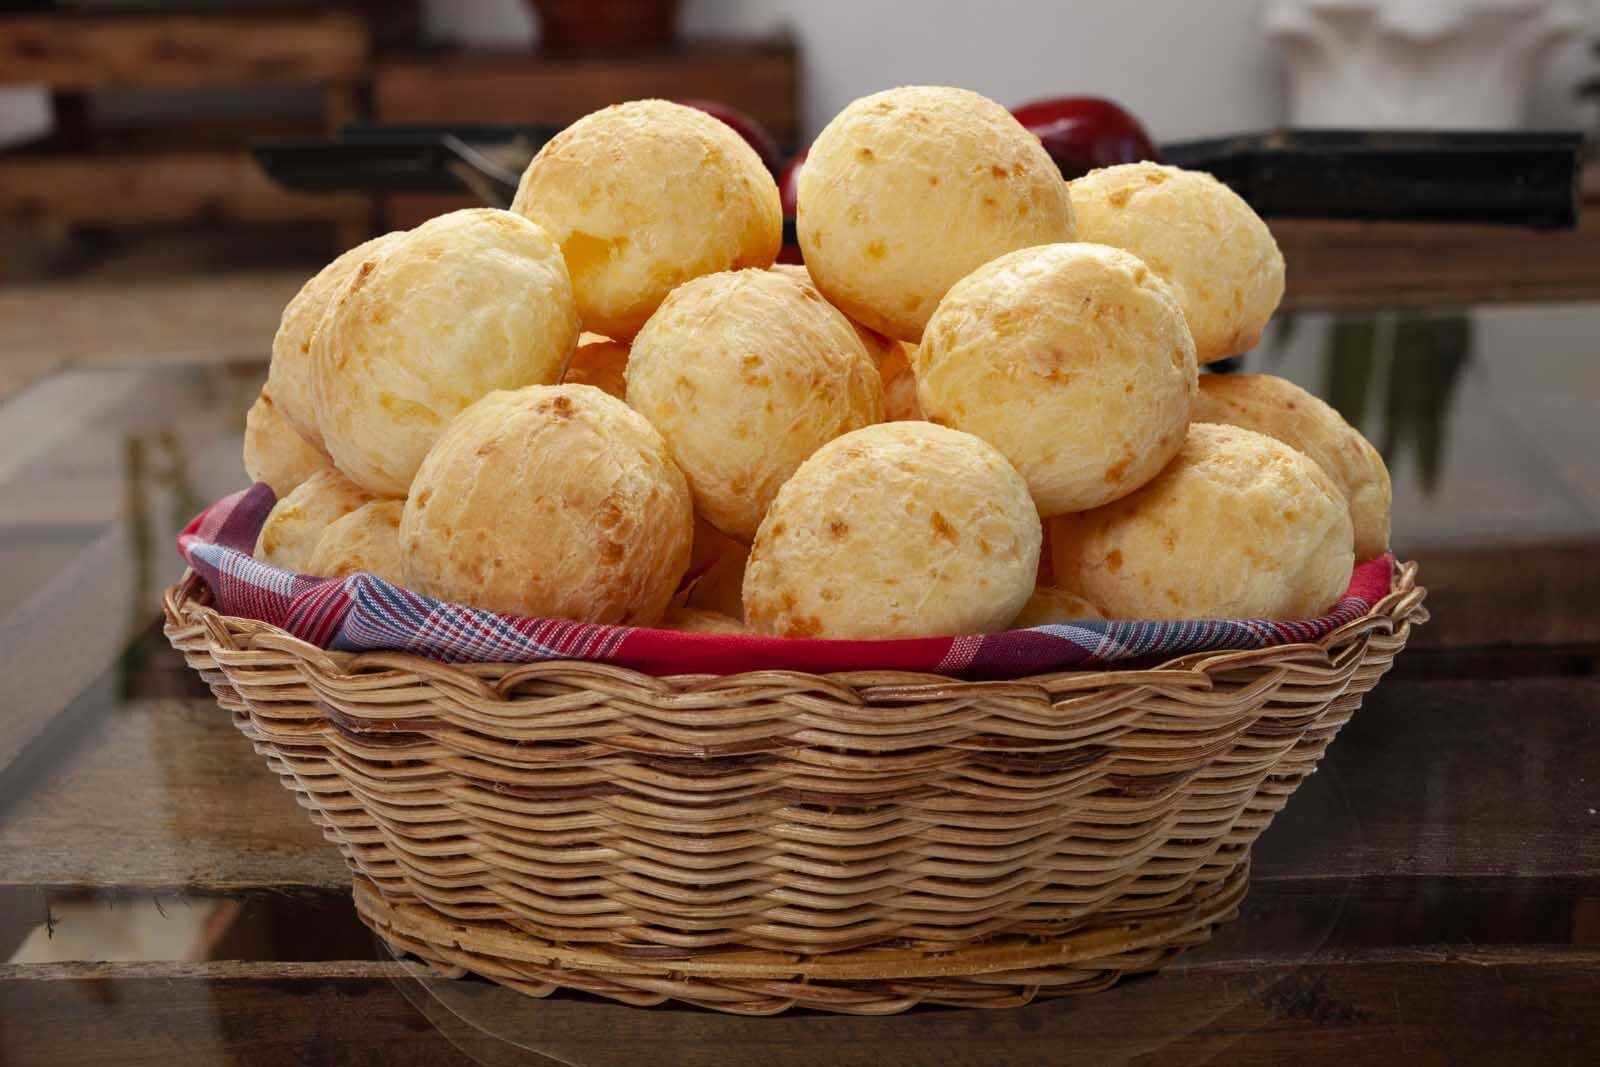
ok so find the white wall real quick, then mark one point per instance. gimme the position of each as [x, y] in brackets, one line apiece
[1187, 68]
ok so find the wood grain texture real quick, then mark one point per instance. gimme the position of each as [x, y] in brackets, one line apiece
[163, 794]
[1528, 595]
[181, 51]
[1405, 785]
[175, 188]
[539, 89]
[1336, 264]
[1441, 1006]
[1412, 786]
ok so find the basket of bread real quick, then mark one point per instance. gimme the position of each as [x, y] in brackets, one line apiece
[914, 625]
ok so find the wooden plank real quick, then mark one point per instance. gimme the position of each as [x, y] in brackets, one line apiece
[158, 795]
[1360, 265]
[182, 51]
[1429, 780]
[536, 88]
[176, 188]
[1463, 1005]
[1460, 779]
[213, 1013]
[1545, 594]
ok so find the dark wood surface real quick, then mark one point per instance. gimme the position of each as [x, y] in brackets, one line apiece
[1432, 894]
[1336, 265]
[194, 50]
[1434, 1006]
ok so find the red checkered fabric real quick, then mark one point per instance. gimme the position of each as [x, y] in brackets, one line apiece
[364, 613]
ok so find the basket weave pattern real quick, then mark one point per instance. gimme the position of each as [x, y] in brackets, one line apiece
[854, 842]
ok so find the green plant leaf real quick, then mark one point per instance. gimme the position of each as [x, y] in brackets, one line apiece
[1351, 362]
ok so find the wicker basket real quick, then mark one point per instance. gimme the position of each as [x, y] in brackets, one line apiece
[852, 842]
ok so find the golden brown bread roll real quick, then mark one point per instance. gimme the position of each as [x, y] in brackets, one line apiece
[1073, 360]
[910, 190]
[365, 540]
[1237, 526]
[745, 374]
[1283, 410]
[273, 452]
[1200, 236]
[877, 345]
[902, 529]
[553, 501]
[289, 376]
[643, 196]
[1049, 605]
[289, 536]
[467, 303]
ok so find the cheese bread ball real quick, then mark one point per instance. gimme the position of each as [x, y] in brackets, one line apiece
[1278, 408]
[643, 196]
[877, 345]
[702, 621]
[1238, 526]
[273, 452]
[366, 540]
[554, 501]
[1199, 235]
[1050, 605]
[903, 529]
[910, 190]
[1073, 360]
[289, 375]
[899, 384]
[600, 362]
[467, 303]
[746, 373]
[296, 522]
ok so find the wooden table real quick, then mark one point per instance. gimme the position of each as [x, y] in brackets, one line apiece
[1432, 894]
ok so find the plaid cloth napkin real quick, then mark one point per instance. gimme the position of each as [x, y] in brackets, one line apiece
[363, 613]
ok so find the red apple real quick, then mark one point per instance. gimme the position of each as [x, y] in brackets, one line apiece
[745, 126]
[1085, 132]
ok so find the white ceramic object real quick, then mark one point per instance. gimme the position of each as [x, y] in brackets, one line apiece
[1447, 64]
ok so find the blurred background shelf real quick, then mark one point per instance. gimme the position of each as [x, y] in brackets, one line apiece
[100, 165]
[153, 109]
[1354, 265]
[532, 88]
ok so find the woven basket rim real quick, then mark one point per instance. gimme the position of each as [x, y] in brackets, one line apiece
[187, 601]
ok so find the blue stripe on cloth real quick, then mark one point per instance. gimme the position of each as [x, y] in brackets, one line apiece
[383, 615]
[365, 613]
